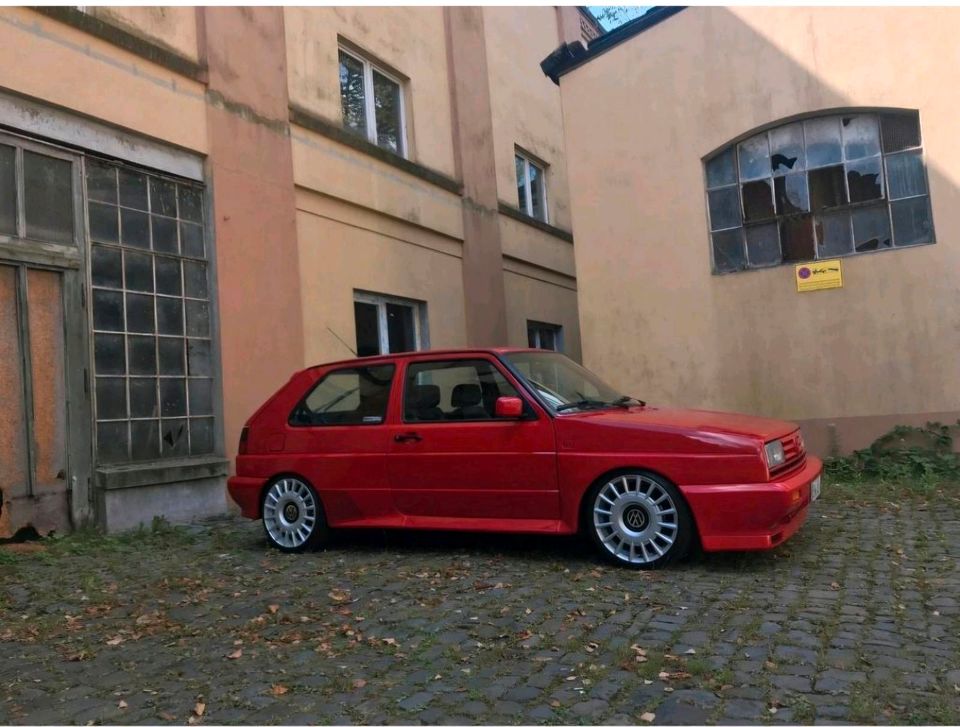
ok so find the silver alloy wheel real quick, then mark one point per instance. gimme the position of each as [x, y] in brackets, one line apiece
[289, 512]
[635, 518]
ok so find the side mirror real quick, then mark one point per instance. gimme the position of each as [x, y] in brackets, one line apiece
[509, 407]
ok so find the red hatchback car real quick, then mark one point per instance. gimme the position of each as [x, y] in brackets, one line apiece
[520, 441]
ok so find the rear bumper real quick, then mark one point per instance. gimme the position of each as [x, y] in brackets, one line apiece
[756, 516]
[245, 491]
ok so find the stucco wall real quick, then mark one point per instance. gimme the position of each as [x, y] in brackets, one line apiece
[409, 40]
[174, 28]
[640, 118]
[534, 294]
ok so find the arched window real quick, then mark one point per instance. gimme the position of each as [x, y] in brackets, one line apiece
[819, 188]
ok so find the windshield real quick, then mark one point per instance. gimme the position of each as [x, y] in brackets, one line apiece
[562, 384]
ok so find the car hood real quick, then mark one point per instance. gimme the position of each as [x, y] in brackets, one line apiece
[688, 420]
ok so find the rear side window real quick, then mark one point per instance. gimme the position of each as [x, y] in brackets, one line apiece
[347, 396]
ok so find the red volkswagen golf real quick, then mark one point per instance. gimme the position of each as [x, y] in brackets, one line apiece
[519, 441]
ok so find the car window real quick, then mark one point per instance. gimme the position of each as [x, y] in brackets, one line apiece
[347, 396]
[461, 390]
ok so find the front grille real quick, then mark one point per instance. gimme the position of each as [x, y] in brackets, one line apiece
[794, 451]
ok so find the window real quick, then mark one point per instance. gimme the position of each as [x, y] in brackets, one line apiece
[36, 195]
[388, 325]
[531, 188]
[347, 396]
[544, 335]
[818, 188]
[153, 357]
[372, 102]
[453, 391]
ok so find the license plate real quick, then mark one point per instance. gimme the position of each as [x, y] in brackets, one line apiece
[815, 489]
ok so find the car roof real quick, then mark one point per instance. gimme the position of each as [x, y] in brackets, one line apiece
[388, 357]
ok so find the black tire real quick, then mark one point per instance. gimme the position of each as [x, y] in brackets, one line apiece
[293, 516]
[646, 525]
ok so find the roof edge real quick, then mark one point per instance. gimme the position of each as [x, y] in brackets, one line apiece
[573, 55]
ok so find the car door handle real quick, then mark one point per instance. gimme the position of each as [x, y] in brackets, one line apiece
[407, 437]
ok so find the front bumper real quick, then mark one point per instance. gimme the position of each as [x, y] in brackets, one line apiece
[246, 492]
[755, 516]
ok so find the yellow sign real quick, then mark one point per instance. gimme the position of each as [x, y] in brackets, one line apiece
[820, 275]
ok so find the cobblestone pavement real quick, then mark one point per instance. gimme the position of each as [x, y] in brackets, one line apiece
[855, 620]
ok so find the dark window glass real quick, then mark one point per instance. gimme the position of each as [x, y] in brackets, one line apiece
[194, 279]
[135, 228]
[108, 354]
[107, 310]
[163, 197]
[905, 175]
[900, 131]
[722, 169]
[757, 200]
[112, 442]
[865, 180]
[352, 98]
[173, 397]
[347, 396]
[168, 275]
[521, 166]
[171, 356]
[724, 208]
[8, 191]
[201, 396]
[104, 223]
[133, 189]
[201, 436]
[142, 354]
[728, 251]
[796, 239]
[386, 104]
[144, 439]
[537, 209]
[138, 268]
[140, 313]
[198, 318]
[174, 438]
[191, 204]
[763, 245]
[871, 229]
[368, 328]
[791, 194]
[101, 181]
[111, 398]
[170, 316]
[911, 221]
[827, 188]
[105, 267]
[48, 198]
[143, 397]
[198, 358]
[833, 234]
[191, 240]
[164, 234]
[400, 328]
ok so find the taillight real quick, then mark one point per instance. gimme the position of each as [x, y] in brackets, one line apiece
[244, 433]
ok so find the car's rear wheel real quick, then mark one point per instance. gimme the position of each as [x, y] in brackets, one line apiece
[638, 519]
[293, 517]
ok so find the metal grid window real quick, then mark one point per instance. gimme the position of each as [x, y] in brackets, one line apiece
[819, 188]
[153, 358]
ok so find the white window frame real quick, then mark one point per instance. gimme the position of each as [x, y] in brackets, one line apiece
[370, 110]
[542, 168]
[420, 335]
[537, 326]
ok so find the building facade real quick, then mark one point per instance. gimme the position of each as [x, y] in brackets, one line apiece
[195, 202]
[718, 158]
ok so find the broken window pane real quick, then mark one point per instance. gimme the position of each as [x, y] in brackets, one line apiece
[722, 169]
[8, 191]
[724, 208]
[823, 141]
[861, 136]
[351, 94]
[48, 198]
[757, 201]
[865, 180]
[104, 223]
[791, 194]
[911, 221]
[786, 149]
[905, 175]
[386, 103]
[173, 438]
[827, 188]
[105, 267]
[900, 131]
[796, 239]
[728, 251]
[871, 229]
[754, 155]
[833, 234]
[763, 245]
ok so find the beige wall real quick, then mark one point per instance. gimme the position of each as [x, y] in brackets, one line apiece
[174, 28]
[408, 40]
[535, 294]
[640, 118]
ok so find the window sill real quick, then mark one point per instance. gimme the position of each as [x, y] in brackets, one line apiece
[515, 213]
[144, 474]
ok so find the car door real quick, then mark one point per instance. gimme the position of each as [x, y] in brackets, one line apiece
[451, 457]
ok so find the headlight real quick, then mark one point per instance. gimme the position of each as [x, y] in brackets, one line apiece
[774, 452]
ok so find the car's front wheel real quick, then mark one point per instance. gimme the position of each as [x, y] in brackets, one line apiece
[293, 517]
[638, 519]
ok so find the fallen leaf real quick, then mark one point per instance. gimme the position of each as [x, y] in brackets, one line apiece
[773, 710]
[390, 641]
[835, 586]
[167, 717]
[278, 690]
[641, 651]
[690, 651]
[115, 641]
[592, 646]
[771, 666]
[235, 654]
[555, 703]
[668, 689]
[273, 607]
[339, 596]
[648, 717]
[199, 708]
[359, 683]
[121, 704]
